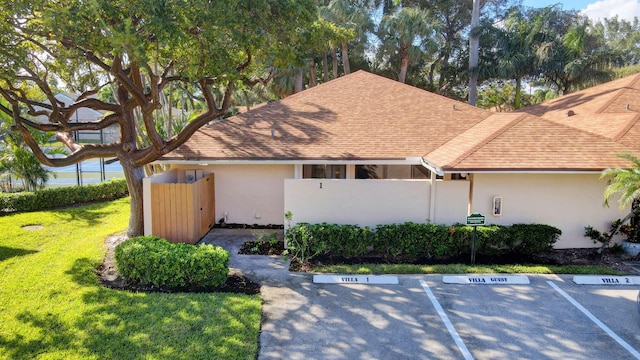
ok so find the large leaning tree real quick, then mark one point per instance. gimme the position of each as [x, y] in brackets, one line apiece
[136, 49]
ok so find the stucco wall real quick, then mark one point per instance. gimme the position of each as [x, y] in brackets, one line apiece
[567, 201]
[452, 202]
[248, 194]
[361, 202]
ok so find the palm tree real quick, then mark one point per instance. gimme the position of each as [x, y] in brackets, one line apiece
[623, 182]
[348, 16]
[405, 34]
[626, 184]
[574, 60]
[18, 161]
[518, 41]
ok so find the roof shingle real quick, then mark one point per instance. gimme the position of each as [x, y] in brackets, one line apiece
[363, 116]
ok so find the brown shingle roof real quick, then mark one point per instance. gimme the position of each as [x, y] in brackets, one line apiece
[367, 117]
[611, 109]
[527, 143]
[359, 116]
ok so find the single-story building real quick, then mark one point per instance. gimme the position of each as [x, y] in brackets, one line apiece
[85, 114]
[367, 150]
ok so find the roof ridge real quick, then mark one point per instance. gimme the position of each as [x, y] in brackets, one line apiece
[591, 133]
[628, 127]
[486, 140]
[617, 94]
[635, 79]
[326, 83]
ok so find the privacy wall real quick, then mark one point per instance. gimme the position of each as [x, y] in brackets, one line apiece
[374, 202]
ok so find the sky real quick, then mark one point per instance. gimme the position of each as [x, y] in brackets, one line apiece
[595, 9]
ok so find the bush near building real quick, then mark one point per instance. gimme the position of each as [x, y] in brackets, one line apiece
[154, 263]
[63, 196]
[411, 241]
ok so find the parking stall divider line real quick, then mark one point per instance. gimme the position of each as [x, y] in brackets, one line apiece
[595, 320]
[445, 319]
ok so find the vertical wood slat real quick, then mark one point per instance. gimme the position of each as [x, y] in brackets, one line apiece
[209, 216]
[183, 212]
[187, 196]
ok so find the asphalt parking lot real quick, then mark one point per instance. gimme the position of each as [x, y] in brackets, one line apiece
[424, 318]
[551, 318]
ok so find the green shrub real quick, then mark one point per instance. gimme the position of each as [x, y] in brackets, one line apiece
[150, 261]
[530, 239]
[63, 196]
[301, 244]
[412, 241]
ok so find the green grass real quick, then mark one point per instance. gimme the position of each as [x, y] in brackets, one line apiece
[462, 269]
[52, 306]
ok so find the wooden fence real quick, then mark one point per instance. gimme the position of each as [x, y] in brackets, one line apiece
[183, 212]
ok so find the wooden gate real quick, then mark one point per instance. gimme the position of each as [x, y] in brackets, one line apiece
[183, 212]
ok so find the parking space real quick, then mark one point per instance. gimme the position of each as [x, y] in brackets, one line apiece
[551, 318]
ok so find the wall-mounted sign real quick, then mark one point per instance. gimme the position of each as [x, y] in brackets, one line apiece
[497, 206]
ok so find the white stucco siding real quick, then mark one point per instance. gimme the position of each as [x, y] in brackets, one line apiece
[358, 202]
[452, 202]
[567, 201]
[249, 194]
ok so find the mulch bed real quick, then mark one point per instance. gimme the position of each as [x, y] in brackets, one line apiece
[262, 248]
[588, 256]
[109, 277]
[237, 283]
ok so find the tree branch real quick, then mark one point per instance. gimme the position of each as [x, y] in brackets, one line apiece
[148, 154]
[263, 81]
[74, 126]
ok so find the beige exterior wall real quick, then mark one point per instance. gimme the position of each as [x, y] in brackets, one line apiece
[374, 202]
[360, 202]
[452, 202]
[248, 194]
[567, 201]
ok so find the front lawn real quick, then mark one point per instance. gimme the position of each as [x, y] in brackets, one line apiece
[52, 306]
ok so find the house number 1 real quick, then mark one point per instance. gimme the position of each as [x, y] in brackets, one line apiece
[320, 185]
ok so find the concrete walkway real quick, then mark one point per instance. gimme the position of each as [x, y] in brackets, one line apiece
[303, 320]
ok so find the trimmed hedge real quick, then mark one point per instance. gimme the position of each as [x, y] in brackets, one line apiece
[150, 261]
[412, 241]
[63, 196]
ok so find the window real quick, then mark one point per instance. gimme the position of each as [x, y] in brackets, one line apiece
[392, 172]
[324, 171]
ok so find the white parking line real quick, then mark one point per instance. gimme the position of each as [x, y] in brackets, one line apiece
[595, 320]
[454, 334]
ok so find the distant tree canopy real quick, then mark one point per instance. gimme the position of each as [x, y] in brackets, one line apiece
[159, 70]
[139, 49]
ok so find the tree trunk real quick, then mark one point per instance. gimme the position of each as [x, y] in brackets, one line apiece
[312, 73]
[335, 63]
[345, 58]
[325, 67]
[134, 175]
[298, 82]
[517, 101]
[443, 86]
[474, 44]
[403, 69]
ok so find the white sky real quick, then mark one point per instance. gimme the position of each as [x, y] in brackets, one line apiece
[625, 9]
[595, 9]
